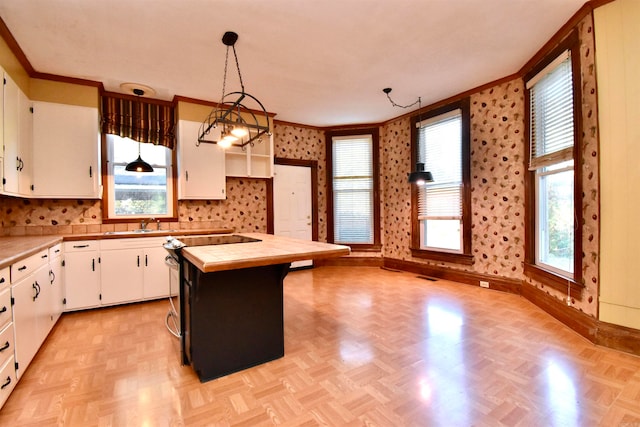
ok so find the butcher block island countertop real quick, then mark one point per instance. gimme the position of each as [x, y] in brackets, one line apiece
[270, 250]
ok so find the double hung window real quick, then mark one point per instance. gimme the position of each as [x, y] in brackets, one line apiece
[441, 208]
[138, 194]
[554, 238]
[353, 188]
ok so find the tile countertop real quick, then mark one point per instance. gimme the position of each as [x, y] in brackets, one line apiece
[15, 248]
[270, 250]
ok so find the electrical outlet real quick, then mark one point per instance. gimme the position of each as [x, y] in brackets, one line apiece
[484, 284]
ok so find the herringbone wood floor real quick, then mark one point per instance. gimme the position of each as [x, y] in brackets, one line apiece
[364, 346]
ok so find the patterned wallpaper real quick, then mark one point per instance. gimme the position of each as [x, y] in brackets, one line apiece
[497, 188]
[245, 209]
[305, 143]
[497, 182]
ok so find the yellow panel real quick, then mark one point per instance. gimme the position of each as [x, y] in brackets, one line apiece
[12, 66]
[64, 93]
[618, 68]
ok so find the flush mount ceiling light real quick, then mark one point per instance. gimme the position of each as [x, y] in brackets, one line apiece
[239, 119]
[419, 176]
[138, 165]
[137, 89]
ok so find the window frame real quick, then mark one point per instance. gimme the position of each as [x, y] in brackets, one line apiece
[465, 257]
[374, 133]
[548, 276]
[108, 190]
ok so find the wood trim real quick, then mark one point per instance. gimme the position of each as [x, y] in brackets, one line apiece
[64, 79]
[356, 128]
[572, 43]
[466, 257]
[298, 125]
[212, 104]
[269, 195]
[375, 135]
[600, 333]
[553, 280]
[578, 321]
[470, 278]
[558, 37]
[350, 261]
[445, 256]
[618, 337]
[137, 99]
[313, 164]
[5, 33]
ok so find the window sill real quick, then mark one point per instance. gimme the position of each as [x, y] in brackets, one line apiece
[357, 247]
[453, 257]
[553, 280]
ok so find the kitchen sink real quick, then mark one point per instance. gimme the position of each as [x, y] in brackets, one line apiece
[138, 231]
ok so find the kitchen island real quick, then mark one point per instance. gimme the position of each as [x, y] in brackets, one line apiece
[232, 300]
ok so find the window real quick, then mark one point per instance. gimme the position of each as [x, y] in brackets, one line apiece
[553, 238]
[138, 194]
[441, 208]
[352, 159]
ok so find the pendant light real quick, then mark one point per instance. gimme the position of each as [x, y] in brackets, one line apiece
[419, 176]
[138, 165]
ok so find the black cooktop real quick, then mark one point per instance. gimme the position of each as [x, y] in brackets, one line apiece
[216, 240]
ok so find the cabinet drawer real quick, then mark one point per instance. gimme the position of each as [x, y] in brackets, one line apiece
[5, 308]
[4, 278]
[81, 246]
[55, 251]
[28, 265]
[132, 243]
[7, 380]
[6, 344]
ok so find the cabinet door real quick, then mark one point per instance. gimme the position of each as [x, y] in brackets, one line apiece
[82, 280]
[121, 275]
[29, 310]
[201, 168]
[65, 135]
[25, 135]
[11, 135]
[156, 273]
[56, 293]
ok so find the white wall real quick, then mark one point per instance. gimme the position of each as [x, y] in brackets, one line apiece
[617, 32]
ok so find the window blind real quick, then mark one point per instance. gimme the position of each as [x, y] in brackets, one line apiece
[551, 114]
[440, 149]
[353, 189]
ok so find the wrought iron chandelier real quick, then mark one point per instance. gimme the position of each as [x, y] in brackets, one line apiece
[419, 176]
[239, 119]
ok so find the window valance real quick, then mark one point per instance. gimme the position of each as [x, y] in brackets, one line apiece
[138, 119]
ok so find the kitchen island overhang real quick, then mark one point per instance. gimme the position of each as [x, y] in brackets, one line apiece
[232, 301]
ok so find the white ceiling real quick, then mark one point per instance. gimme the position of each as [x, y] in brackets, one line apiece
[315, 62]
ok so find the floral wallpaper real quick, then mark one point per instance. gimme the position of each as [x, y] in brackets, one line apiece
[305, 143]
[245, 209]
[497, 188]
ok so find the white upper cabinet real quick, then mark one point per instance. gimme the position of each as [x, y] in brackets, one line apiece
[66, 140]
[17, 122]
[251, 161]
[201, 167]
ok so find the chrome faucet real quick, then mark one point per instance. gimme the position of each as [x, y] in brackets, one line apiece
[144, 222]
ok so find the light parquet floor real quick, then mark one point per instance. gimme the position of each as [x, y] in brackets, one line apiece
[363, 347]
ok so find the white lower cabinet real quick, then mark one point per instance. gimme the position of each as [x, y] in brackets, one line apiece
[81, 274]
[30, 298]
[133, 270]
[56, 284]
[121, 275]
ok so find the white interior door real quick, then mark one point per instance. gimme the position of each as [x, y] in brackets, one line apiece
[292, 204]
